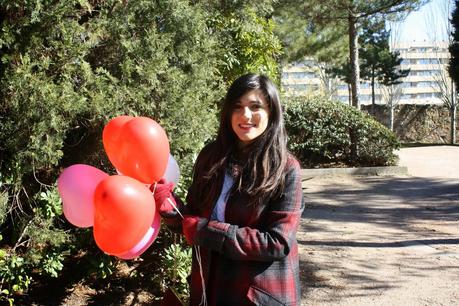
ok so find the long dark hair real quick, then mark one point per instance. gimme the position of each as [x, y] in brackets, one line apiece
[261, 175]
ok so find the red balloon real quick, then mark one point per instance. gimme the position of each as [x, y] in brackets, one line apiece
[143, 151]
[111, 137]
[146, 241]
[123, 213]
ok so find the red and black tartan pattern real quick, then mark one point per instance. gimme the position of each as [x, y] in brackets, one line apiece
[253, 258]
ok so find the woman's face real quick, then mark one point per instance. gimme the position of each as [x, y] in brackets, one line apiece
[250, 116]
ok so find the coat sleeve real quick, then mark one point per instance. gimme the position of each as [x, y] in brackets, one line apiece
[278, 233]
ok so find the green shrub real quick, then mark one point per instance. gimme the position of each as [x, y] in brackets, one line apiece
[14, 273]
[319, 134]
[175, 266]
[67, 67]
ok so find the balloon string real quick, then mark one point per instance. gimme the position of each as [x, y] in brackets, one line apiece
[198, 257]
[175, 207]
[170, 202]
[203, 284]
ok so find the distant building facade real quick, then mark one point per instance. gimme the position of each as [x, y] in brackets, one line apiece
[427, 63]
[301, 78]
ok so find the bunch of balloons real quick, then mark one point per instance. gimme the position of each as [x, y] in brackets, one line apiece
[121, 208]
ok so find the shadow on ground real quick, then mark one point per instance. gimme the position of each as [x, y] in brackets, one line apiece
[392, 213]
[393, 201]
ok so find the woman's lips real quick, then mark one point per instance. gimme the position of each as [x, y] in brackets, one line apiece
[246, 126]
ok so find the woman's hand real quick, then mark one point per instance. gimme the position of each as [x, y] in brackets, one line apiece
[191, 226]
[162, 192]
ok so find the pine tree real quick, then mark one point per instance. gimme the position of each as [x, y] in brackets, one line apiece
[67, 67]
[378, 63]
[335, 13]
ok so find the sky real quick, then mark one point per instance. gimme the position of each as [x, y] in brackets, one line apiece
[429, 23]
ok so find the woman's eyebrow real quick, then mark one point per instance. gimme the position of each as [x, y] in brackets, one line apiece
[255, 101]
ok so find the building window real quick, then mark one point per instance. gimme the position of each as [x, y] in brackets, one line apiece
[298, 75]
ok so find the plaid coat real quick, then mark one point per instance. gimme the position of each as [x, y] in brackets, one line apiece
[252, 257]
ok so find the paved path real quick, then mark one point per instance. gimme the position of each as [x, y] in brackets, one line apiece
[384, 240]
[435, 161]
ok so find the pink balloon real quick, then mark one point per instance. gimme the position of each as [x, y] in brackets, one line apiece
[76, 186]
[146, 241]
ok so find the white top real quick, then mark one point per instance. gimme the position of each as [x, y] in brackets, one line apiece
[219, 210]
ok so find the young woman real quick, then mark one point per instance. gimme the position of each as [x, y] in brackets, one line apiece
[244, 205]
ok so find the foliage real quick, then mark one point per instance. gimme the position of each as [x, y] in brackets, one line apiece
[40, 248]
[103, 266]
[377, 62]
[247, 42]
[335, 13]
[301, 36]
[3, 206]
[67, 67]
[15, 276]
[175, 266]
[52, 263]
[319, 134]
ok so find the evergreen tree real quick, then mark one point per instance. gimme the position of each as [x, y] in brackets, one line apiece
[245, 39]
[378, 63]
[301, 36]
[69, 66]
[342, 72]
[333, 13]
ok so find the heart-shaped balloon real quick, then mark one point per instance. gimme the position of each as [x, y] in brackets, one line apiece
[146, 241]
[76, 186]
[124, 210]
[141, 151]
[111, 137]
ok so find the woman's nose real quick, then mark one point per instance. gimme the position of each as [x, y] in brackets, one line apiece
[246, 112]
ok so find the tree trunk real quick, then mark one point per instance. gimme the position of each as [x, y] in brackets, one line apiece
[453, 113]
[453, 124]
[355, 77]
[373, 93]
[349, 92]
[391, 117]
[354, 59]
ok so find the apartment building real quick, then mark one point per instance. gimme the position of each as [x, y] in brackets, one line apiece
[424, 85]
[301, 78]
[428, 71]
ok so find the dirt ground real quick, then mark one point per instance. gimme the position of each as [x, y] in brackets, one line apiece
[384, 240]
